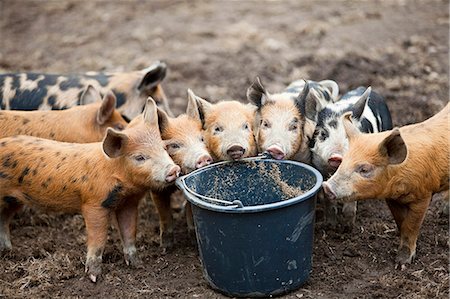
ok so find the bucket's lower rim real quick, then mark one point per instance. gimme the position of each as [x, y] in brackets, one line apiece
[257, 208]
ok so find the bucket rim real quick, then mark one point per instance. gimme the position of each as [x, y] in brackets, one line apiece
[257, 208]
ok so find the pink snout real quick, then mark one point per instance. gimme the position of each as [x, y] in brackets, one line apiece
[235, 152]
[335, 160]
[329, 193]
[276, 152]
[173, 173]
[203, 161]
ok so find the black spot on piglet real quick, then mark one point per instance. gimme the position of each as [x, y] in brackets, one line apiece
[23, 174]
[113, 197]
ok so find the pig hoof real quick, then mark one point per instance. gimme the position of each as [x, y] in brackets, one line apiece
[5, 249]
[5, 245]
[445, 211]
[93, 278]
[133, 261]
[94, 268]
[404, 256]
[166, 240]
[347, 228]
[346, 225]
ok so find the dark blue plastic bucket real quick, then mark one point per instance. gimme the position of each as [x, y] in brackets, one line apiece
[254, 232]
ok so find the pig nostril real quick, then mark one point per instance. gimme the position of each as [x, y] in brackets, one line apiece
[203, 161]
[276, 152]
[236, 152]
[335, 161]
[173, 174]
[236, 148]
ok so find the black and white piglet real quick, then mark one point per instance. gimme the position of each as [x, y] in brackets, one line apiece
[329, 141]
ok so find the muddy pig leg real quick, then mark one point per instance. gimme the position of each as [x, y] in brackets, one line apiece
[97, 223]
[409, 230]
[444, 196]
[8, 207]
[348, 215]
[190, 224]
[162, 203]
[127, 218]
[330, 210]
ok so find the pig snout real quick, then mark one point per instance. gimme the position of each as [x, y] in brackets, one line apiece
[203, 161]
[173, 173]
[328, 191]
[235, 152]
[335, 160]
[276, 152]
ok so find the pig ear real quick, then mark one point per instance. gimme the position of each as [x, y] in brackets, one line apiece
[359, 106]
[332, 87]
[394, 147]
[308, 102]
[192, 107]
[90, 95]
[114, 142]
[257, 93]
[150, 114]
[163, 120]
[349, 127]
[153, 75]
[107, 108]
[203, 107]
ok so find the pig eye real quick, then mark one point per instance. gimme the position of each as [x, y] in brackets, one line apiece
[294, 125]
[173, 146]
[218, 129]
[365, 170]
[140, 158]
[323, 135]
[265, 124]
[119, 127]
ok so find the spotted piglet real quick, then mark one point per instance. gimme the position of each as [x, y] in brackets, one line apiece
[42, 91]
[329, 142]
[79, 124]
[97, 179]
[403, 166]
[282, 129]
[183, 138]
[228, 128]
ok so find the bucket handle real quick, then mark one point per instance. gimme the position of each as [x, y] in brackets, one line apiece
[232, 204]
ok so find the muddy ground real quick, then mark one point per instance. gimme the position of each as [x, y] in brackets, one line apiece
[400, 48]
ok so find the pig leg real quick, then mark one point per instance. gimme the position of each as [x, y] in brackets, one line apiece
[97, 223]
[331, 210]
[409, 230]
[127, 218]
[348, 216]
[7, 211]
[398, 211]
[162, 203]
[444, 195]
[190, 223]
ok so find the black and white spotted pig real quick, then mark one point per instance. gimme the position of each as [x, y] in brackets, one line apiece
[330, 142]
[281, 129]
[41, 91]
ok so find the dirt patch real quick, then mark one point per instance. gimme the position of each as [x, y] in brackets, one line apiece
[400, 48]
